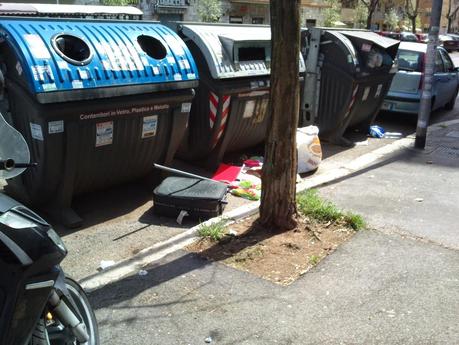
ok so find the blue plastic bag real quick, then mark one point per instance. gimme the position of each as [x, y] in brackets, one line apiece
[376, 132]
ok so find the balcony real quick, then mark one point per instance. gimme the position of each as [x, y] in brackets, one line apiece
[171, 6]
[304, 3]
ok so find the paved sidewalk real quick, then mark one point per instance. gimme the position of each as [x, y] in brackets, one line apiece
[397, 283]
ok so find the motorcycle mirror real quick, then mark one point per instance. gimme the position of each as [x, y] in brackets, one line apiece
[12, 147]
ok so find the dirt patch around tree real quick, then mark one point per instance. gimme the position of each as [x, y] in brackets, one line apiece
[280, 257]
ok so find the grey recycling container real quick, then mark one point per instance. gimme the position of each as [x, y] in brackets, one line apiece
[348, 74]
[99, 102]
[230, 110]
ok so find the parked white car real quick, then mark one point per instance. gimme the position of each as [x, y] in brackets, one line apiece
[405, 91]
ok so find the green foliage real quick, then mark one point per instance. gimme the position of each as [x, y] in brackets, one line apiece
[360, 15]
[215, 231]
[118, 2]
[392, 19]
[310, 204]
[314, 260]
[332, 14]
[210, 11]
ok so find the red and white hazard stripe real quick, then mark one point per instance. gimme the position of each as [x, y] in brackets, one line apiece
[213, 106]
[349, 108]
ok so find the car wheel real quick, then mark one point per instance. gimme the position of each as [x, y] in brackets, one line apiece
[452, 101]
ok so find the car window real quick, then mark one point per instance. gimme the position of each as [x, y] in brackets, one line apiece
[449, 66]
[409, 60]
[439, 68]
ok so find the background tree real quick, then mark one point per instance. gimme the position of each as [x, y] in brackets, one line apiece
[371, 6]
[278, 193]
[360, 15]
[411, 11]
[452, 12]
[332, 14]
[210, 11]
[118, 2]
[392, 19]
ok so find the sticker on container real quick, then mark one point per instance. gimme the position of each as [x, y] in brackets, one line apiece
[171, 60]
[36, 131]
[177, 76]
[249, 109]
[63, 65]
[366, 92]
[37, 46]
[77, 84]
[186, 107]
[191, 76]
[253, 85]
[55, 127]
[150, 125]
[349, 58]
[49, 87]
[104, 133]
[366, 47]
[155, 70]
[378, 90]
[19, 68]
[83, 74]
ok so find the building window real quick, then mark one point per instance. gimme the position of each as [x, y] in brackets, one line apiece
[235, 19]
[258, 20]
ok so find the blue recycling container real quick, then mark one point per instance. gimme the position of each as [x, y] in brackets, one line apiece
[99, 102]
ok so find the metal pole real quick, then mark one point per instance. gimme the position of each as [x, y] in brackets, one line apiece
[425, 105]
[183, 173]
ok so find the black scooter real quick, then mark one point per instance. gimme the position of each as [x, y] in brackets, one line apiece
[38, 304]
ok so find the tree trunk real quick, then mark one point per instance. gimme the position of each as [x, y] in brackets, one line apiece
[413, 24]
[278, 194]
[449, 24]
[369, 18]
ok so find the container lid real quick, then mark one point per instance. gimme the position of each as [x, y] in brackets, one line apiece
[21, 9]
[57, 55]
[389, 44]
[233, 51]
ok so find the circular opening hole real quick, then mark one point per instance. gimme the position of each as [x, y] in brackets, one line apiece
[73, 49]
[153, 47]
[9, 164]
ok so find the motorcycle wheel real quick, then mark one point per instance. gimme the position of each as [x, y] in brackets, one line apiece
[57, 334]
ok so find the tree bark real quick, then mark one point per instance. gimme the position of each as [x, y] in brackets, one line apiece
[278, 195]
[369, 18]
[413, 24]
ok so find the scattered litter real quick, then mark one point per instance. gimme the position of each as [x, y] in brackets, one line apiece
[376, 132]
[419, 199]
[104, 264]
[308, 148]
[429, 162]
[393, 135]
[232, 232]
[247, 193]
[252, 163]
[208, 340]
[227, 173]
[143, 273]
[362, 143]
[180, 217]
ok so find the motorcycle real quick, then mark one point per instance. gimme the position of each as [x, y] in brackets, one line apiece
[39, 305]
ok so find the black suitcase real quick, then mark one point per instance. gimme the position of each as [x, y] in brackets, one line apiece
[202, 199]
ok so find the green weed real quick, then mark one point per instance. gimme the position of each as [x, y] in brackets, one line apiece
[215, 231]
[311, 205]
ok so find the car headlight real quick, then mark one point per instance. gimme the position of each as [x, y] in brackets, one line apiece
[16, 221]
